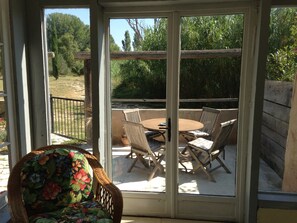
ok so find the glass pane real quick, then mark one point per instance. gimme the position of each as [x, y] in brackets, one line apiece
[278, 146]
[1, 67]
[138, 82]
[209, 77]
[68, 43]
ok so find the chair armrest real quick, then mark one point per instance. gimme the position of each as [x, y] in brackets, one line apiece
[105, 191]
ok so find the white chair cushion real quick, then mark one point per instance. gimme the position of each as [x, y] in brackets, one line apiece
[198, 133]
[201, 143]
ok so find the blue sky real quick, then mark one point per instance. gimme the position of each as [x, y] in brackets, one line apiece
[117, 26]
[83, 14]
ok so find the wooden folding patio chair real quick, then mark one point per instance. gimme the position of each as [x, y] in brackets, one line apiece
[148, 151]
[205, 151]
[209, 119]
[133, 115]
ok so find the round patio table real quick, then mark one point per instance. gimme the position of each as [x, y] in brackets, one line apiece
[159, 124]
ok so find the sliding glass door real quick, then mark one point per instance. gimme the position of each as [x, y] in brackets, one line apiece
[169, 69]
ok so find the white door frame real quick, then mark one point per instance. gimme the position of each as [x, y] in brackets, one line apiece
[171, 204]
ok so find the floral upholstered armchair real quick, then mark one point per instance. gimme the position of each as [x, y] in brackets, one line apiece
[62, 183]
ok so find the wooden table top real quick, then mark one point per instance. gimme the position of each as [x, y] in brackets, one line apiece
[183, 124]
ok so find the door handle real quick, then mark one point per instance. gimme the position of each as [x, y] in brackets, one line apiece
[168, 127]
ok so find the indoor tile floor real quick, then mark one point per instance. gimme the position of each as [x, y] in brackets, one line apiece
[128, 219]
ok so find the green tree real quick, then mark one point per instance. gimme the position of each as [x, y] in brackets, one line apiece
[136, 42]
[112, 45]
[114, 64]
[137, 81]
[281, 22]
[55, 49]
[126, 42]
[68, 47]
[72, 36]
[282, 58]
[199, 78]
[214, 77]
[138, 29]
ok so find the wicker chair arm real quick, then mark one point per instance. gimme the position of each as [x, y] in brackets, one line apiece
[105, 191]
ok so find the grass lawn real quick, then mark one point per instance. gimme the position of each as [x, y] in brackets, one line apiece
[69, 86]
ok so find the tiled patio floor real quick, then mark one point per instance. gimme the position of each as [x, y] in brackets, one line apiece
[197, 183]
